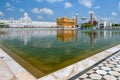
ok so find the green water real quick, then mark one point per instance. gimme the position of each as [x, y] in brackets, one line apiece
[49, 50]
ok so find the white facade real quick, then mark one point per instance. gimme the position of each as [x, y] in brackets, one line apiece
[104, 23]
[44, 24]
[26, 21]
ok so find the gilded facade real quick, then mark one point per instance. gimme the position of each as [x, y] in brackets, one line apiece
[65, 35]
[66, 22]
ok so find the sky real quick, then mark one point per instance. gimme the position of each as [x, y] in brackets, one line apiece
[49, 10]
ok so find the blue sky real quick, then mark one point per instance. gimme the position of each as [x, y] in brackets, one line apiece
[49, 10]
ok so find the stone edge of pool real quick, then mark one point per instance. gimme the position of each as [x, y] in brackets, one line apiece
[19, 73]
[70, 71]
[16, 70]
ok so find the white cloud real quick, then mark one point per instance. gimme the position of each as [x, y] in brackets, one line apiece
[39, 0]
[67, 5]
[8, 4]
[52, 1]
[22, 10]
[1, 13]
[119, 5]
[114, 14]
[86, 3]
[97, 7]
[43, 10]
[46, 11]
[9, 7]
[40, 17]
[36, 10]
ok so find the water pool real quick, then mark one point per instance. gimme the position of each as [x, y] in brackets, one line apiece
[43, 51]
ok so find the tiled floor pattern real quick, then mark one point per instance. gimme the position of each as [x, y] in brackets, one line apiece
[107, 70]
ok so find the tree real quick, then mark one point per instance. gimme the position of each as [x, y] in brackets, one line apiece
[86, 25]
[3, 25]
[113, 24]
[116, 24]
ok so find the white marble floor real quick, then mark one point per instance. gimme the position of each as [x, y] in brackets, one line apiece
[106, 70]
[5, 73]
[11, 70]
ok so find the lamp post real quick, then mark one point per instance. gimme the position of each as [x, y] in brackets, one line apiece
[83, 19]
[76, 22]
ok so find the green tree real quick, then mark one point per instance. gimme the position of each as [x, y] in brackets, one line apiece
[3, 25]
[86, 25]
[113, 24]
[116, 24]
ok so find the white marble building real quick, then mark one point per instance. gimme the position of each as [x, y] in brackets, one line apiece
[104, 23]
[26, 21]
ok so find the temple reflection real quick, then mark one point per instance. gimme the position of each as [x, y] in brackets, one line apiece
[67, 35]
[92, 35]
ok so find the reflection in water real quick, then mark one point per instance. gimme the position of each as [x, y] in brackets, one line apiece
[92, 35]
[50, 50]
[76, 36]
[26, 35]
[66, 35]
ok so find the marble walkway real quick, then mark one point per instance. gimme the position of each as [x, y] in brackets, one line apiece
[107, 69]
[11, 70]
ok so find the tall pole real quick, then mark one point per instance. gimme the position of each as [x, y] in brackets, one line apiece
[76, 22]
[91, 18]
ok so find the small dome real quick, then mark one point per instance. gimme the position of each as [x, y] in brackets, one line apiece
[25, 14]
